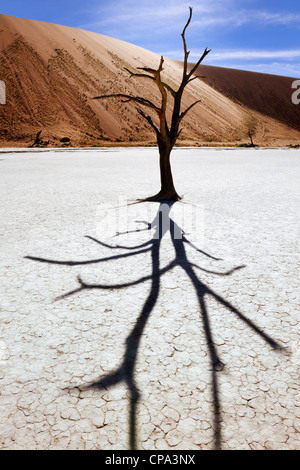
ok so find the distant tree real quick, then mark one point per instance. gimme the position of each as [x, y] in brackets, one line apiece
[166, 133]
[250, 124]
[37, 140]
[251, 131]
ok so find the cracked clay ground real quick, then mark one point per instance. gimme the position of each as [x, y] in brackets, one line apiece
[143, 339]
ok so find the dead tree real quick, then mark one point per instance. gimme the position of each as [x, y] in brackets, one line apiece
[166, 133]
[37, 140]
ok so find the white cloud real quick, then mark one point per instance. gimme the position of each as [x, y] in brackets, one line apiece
[278, 62]
[160, 16]
[277, 18]
[244, 54]
[205, 14]
[131, 14]
[273, 68]
[255, 54]
[241, 17]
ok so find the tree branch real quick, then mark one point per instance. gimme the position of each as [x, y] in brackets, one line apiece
[154, 71]
[149, 119]
[194, 78]
[178, 133]
[206, 51]
[137, 99]
[142, 75]
[188, 109]
[186, 76]
[169, 88]
[133, 74]
[164, 130]
[186, 52]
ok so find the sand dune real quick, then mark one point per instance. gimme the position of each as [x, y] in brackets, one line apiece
[265, 93]
[52, 72]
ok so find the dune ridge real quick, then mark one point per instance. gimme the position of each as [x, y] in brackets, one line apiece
[52, 72]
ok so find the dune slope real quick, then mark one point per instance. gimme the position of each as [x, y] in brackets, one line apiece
[265, 93]
[52, 72]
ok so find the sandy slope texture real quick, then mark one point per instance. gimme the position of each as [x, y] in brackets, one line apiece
[268, 94]
[52, 72]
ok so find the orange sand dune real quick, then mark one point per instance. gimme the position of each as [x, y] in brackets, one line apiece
[52, 72]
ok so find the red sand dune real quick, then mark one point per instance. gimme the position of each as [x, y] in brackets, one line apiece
[52, 72]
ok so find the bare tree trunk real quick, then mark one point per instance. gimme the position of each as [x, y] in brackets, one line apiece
[167, 190]
[250, 135]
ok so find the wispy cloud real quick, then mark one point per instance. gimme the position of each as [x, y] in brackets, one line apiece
[273, 68]
[242, 17]
[219, 24]
[131, 16]
[277, 18]
[255, 54]
[278, 62]
[244, 54]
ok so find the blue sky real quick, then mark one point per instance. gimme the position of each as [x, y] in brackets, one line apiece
[258, 35]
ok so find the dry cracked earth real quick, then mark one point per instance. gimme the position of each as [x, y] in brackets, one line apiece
[121, 329]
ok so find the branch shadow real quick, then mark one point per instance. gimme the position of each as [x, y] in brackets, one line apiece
[125, 373]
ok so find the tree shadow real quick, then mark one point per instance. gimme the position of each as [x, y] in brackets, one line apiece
[125, 373]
